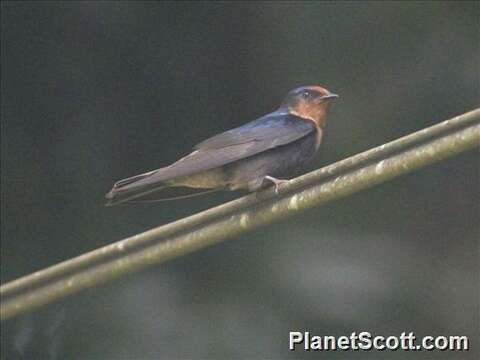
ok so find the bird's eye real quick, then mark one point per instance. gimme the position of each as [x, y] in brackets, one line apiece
[306, 94]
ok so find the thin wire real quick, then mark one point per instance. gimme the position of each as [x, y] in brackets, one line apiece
[130, 244]
[214, 229]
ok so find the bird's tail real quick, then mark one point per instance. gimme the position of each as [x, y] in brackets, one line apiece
[126, 190]
[138, 189]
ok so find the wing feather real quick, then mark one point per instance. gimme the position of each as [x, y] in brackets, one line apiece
[252, 138]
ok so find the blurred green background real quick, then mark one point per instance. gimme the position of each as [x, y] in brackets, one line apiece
[97, 91]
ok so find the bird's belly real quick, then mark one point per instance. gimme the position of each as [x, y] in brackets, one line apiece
[209, 179]
[282, 161]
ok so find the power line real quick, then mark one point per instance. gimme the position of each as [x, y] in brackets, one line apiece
[245, 214]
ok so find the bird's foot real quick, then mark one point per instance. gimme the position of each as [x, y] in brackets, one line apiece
[276, 182]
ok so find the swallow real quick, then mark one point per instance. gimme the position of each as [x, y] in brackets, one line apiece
[256, 155]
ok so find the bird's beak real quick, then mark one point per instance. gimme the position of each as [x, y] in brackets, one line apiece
[329, 96]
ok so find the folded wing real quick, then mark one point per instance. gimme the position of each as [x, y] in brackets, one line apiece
[252, 138]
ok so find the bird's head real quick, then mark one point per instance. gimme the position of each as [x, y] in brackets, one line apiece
[309, 102]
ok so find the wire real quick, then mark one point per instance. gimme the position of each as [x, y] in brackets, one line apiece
[245, 214]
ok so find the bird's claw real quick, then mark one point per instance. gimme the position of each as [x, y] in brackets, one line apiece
[276, 183]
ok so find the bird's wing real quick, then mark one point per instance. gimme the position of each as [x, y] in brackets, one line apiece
[266, 132]
[252, 138]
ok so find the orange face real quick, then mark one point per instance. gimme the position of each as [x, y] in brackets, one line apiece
[309, 102]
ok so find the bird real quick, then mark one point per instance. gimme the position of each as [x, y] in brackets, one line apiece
[254, 156]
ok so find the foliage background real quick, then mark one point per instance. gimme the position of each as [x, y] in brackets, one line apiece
[97, 91]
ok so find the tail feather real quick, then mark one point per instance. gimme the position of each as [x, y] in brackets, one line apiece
[130, 180]
[140, 189]
[121, 195]
[199, 192]
[157, 194]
